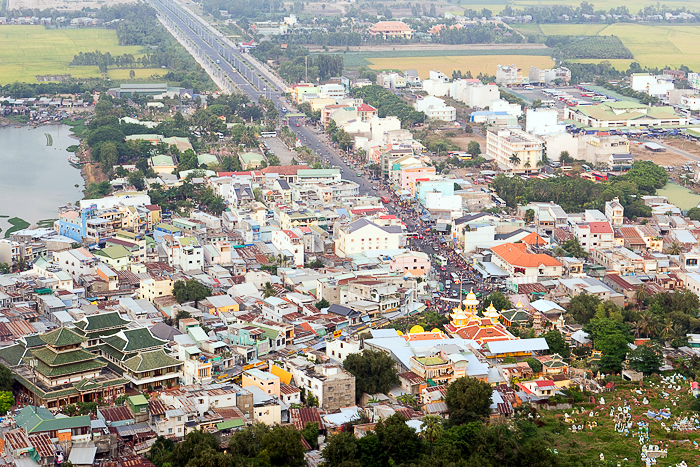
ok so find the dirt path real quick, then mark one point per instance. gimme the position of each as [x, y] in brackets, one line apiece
[428, 47]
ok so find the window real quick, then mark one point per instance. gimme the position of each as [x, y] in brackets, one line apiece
[170, 431]
[330, 399]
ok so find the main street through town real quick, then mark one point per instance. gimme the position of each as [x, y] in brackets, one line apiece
[250, 78]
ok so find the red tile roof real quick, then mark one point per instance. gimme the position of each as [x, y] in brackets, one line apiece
[284, 169]
[600, 227]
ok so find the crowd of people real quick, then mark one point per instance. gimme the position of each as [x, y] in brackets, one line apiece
[428, 240]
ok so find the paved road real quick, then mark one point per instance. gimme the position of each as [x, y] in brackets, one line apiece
[207, 40]
[281, 150]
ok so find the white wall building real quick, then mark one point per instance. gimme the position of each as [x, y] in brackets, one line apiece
[436, 109]
[481, 95]
[541, 121]
[508, 75]
[501, 105]
[501, 145]
[287, 241]
[363, 235]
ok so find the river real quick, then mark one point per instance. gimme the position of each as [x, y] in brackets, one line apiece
[35, 176]
[680, 196]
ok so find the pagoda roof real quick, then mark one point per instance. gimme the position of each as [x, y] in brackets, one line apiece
[91, 323]
[80, 367]
[62, 337]
[148, 361]
[52, 358]
[133, 340]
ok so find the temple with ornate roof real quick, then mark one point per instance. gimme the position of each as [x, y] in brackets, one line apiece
[467, 324]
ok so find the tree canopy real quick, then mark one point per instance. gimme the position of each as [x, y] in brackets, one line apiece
[374, 372]
[468, 400]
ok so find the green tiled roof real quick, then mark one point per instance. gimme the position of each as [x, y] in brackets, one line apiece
[87, 384]
[101, 321]
[52, 358]
[112, 352]
[62, 336]
[34, 341]
[80, 367]
[148, 361]
[138, 399]
[113, 252]
[13, 354]
[515, 315]
[133, 340]
[36, 420]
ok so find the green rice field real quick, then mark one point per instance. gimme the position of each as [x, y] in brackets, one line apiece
[28, 51]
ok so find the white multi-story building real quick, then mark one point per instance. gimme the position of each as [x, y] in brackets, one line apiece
[540, 76]
[437, 85]
[508, 75]
[481, 95]
[694, 80]
[76, 262]
[288, 241]
[332, 90]
[363, 235]
[515, 149]
[183, 252]
[436, 109]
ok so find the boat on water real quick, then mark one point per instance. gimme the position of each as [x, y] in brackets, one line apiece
[75, 162]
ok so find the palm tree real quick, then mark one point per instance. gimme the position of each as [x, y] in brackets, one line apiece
[527, 165]
[432, 428]
[640, 295]
[514, 159]
[636, 326]
[268, 290]
[674, 248]
[541, 163]
[667, 329]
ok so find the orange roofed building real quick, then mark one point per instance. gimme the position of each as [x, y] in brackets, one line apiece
[390, 29]
[516, 260]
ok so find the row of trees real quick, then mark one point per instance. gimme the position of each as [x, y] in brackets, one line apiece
[575, 194]
[600, 47]
[388, 103]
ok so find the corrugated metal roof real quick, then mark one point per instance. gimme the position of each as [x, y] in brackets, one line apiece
[300, 417]
[116, 414]
[83, 454]
[43, 445]
[18, 439]
[131, 430]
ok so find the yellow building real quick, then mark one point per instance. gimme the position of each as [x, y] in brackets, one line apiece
[267, 382]
[153, 288]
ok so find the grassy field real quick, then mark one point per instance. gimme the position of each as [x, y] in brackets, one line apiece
[27, 51]
[446, 64]
[141, 73]
[652, 45]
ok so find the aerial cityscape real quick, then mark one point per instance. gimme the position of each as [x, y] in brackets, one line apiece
[349, 234]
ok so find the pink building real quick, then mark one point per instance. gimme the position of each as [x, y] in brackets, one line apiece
[409, 176]
[415, 263]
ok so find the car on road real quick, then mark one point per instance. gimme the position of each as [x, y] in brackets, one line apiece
[297, 124]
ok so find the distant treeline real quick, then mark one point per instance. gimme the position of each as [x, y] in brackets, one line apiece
[596, 47]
